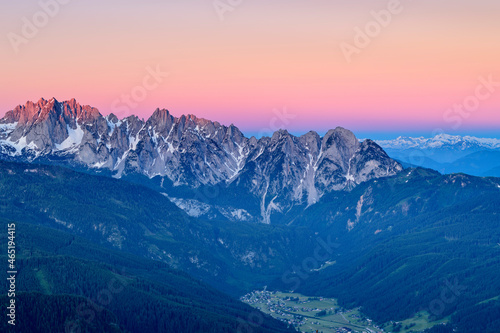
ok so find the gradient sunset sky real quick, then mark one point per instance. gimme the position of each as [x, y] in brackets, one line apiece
[264, 57]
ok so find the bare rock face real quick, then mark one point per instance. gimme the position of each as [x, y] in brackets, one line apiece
[281, 171]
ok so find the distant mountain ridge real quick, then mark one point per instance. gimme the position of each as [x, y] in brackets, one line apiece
[448, 153]
[279, 172]
[440, 141]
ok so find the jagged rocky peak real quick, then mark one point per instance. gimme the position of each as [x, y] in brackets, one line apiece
[46, 124]
[43, 109]
[161, 116]
[112, 118]
[279, 134]
[338, 148]
[234, 133]
[24, 114]
[310, 137]
[340, 140]
[371, 161]
[81, 112]
[161, 120]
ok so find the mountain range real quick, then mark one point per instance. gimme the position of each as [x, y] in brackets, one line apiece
[447, 153]
[325, 216]
[441, 141]
[278, 172]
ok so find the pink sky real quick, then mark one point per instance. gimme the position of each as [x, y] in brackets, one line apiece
[263, 57]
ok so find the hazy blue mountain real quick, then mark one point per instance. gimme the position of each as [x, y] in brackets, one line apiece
[482, 163]
[495, 172]
[447, 153]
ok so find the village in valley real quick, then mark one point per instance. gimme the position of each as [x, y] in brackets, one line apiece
[310, 314]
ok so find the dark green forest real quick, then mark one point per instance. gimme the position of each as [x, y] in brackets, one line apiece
[418, 241]
[64, 282]
[139, 220]
[423, 242]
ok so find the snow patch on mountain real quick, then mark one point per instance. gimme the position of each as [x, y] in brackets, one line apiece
[198, 209]
[234, 214]
[440, 141]
[193, 208]
[6, 129]
[74, 138]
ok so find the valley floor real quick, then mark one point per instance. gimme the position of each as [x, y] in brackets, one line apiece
[310, 314]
